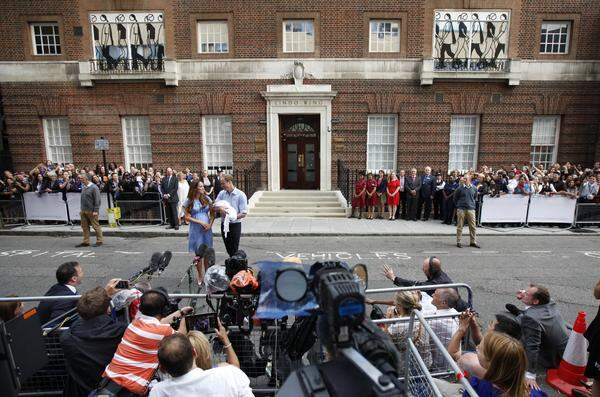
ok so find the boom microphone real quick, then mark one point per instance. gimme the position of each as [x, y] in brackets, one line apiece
[164, 261]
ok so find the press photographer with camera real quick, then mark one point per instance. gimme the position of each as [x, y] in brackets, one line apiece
[135, 361]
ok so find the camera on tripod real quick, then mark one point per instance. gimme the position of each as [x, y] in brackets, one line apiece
[364, 361]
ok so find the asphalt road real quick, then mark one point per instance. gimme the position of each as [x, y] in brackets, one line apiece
[568, 266]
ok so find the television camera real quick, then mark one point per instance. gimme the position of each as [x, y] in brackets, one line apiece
[364, 360]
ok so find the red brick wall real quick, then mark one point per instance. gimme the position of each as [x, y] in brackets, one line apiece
[342, 31]
[423, 130]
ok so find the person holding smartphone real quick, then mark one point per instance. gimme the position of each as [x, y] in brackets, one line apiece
[203, 348]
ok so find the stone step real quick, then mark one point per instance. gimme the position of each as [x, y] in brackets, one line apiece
[298, 215]
[299, 199]
[260, 210]
[308, 204]
[298, 203]
[279, 192]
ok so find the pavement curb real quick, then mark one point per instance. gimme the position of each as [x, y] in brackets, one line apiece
[152, 234]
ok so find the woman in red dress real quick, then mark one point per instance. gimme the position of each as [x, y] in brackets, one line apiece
[371, 197]
[393, 194]
[358, 201]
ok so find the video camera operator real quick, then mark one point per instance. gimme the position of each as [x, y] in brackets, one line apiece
[135, 361]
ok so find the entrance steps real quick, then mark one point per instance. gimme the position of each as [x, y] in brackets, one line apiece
[297, 204]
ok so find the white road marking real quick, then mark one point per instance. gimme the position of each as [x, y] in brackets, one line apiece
[536, 252]
[129, 252]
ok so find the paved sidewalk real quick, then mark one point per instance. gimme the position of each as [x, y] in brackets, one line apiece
[275, 227]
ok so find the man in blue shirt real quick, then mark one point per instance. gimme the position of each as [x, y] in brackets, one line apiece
[237, 199]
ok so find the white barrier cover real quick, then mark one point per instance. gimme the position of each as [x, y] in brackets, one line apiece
[74, 203]
[551, 209]
[45, 207]
[509, 208]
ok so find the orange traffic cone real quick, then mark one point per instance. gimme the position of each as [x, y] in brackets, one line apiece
[570, 371]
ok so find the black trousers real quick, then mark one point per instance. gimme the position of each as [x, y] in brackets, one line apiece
[401, 210]
[438, 202]
[171, 212]
[411, 207]
[232, 241]
[424, 202]
[448, 210]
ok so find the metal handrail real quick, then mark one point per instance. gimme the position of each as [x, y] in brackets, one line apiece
[433, 337]
[425, 288]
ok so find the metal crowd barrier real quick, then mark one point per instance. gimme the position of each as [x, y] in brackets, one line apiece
[262, 355]
[141, 211]
[587, 213]
[12, 212]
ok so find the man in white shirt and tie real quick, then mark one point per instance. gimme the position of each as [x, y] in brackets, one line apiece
[401, 213]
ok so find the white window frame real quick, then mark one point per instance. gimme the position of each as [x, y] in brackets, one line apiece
[214, 35]
[58, 46]
[371, 44]
[546, 44]
[222, 165]
[476, 144]
[130, 157]
[557, 120]
[52, 123]
[369, 118]
[284, 34]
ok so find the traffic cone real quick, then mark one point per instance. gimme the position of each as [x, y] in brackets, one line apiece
[572, 366]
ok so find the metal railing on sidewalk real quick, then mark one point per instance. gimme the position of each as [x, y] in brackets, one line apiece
[587, 213]
[12, 211]
[146, 208]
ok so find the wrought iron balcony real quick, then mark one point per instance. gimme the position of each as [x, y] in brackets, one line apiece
[471, 65]
[470, 69]
[127, 66]
[128, 69]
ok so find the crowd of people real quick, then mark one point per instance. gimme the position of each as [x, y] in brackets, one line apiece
[413, 196]
[122, 184]
[156, 355]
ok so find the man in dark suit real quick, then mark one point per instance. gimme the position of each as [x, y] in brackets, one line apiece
[545, 334]
[401, 212]
[412, 186]
[169, 189]
[426, 194]
[68, 277]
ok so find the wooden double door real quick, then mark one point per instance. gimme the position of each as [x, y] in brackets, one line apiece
[300, 151]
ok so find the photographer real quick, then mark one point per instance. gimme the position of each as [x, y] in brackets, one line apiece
[135, 361]
[176, 357]
[90, 342]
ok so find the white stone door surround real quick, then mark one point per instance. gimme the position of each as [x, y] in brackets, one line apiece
[298, 99]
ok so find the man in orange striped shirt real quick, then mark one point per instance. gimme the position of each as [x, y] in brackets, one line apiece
[136, 359]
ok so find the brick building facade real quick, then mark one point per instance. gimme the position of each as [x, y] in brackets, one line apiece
[376, 84]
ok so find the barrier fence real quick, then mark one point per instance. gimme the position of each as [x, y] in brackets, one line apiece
[12, 212]
[537, 209]
[262, 354]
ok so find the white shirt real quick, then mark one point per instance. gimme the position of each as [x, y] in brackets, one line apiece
[443, 328]
[226, 381]
[73, 289]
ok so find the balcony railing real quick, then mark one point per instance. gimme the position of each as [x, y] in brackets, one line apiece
[471, 65]
[127, 66]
